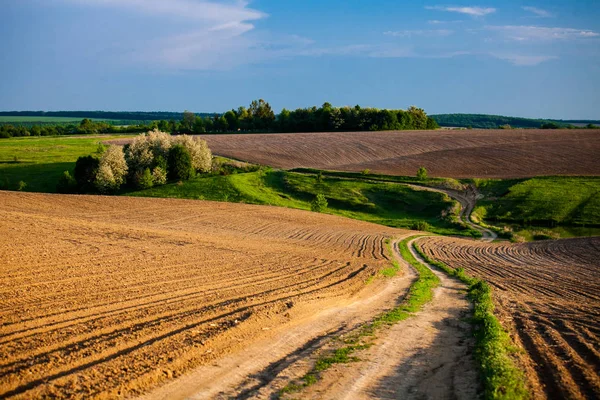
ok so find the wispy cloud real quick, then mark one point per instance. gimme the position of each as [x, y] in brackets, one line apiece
[540, 33]
[523, 60]
[210, 11]
[472, 11]
[420, 32]
[538, 11]
[438, 22]
[198, 35]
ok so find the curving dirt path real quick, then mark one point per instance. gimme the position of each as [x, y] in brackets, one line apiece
[468, 201]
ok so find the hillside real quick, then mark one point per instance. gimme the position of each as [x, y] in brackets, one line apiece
[484, 121]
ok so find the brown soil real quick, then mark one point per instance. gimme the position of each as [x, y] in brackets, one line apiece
[548, 295]
[459, 154]
[109, 296]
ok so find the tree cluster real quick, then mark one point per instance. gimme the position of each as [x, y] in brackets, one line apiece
[258, 117]
[150, 159]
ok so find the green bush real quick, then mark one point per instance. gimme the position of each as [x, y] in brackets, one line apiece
[86, 169]
[22, 186]
[420, 226]
[422, 174]
[144, 179]
[180, 163]
[66, 183]
[319, 204]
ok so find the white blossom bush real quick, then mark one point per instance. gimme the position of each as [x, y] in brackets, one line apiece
[198, 148]
[151, 151]
[159, 176]
[112, 170]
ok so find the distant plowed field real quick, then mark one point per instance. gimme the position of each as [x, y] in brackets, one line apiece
[548, 294]
[458, 154]
[106, 296]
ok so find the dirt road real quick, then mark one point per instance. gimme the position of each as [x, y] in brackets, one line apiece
[425, 357]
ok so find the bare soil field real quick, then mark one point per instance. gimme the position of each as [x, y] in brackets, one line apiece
[548, 296]
[104, 297]
[457, 154]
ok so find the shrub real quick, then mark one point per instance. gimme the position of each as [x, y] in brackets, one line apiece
[366, 171]
[420, 226]
[66, 183]
[144, 179]
[111, 170]
[199, 151]
[22, 185]
[319, 204]
[145, 149]
[159, 176]
[105, 180]
[86, 169]
[422, 174]
[101, 148]
[180, 163]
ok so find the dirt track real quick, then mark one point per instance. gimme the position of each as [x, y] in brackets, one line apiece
[548, 295]
[105, 297]
[458, 154]
[428, 356]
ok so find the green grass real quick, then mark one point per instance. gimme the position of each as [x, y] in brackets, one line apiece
[379, 202]
[501, 378]
[40, 161]
[543, 201]
[420, 293]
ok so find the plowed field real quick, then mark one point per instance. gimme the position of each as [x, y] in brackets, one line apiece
[548, 294]
[108, 296]
[458, 154]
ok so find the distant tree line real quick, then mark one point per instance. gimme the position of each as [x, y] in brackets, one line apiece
[483, 121]
[258, 117]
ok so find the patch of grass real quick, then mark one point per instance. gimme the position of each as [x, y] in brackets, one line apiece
[41, 161]
[419, 294]
[379, 202]
[542, 201]
[502, 379]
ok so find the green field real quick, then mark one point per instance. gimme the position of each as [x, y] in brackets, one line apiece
[7, 119]
[40, 161]
[542, 207]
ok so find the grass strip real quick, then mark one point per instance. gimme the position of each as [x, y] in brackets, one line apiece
[420, 293]
[502, 379]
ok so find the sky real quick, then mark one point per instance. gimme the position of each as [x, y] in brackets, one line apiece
[532, 59]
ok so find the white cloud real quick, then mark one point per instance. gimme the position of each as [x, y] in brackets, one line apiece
[472, 11]
[199, 34]
[538, 11]
[438, 22]
[209, 11]
[523, 60]
[425, 33]
[540, 33]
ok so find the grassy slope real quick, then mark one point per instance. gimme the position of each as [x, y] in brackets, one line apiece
[40, 161]
[545, 201]
[383, 203]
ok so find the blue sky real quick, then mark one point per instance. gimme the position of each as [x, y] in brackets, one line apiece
[532, 59]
